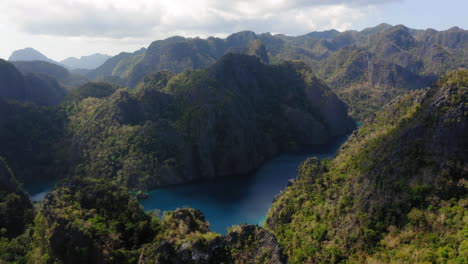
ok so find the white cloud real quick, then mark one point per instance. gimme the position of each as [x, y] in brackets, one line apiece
[62, 27]
[146, 18]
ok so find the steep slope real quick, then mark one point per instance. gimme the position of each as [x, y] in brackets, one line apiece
[29, 54]
[93, 90]
[31, 87]
[42, 67]
[15, 207]
[109, 65]
[390, 62]
[86, 62]
[225, 120]
[398, 59]
[177, 54]
[96, 221]
[43, 90]
[453, 38]
[90, 221]
[62, 75]
[29, 136]
[12, 83]
[366, 81]
[16, 215]
[404, 168]
[370, 67]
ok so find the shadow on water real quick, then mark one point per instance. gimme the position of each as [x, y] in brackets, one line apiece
[236, 200]
[37, 191]
[229, 201]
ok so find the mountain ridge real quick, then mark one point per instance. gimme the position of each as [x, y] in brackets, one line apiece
[29, 54]
[89, 62]
[405, 164]
[418, 56]
[204, 112]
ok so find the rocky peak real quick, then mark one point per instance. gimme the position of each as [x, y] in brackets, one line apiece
[29, 54]
[183, 222]
[241, 39]
[401, 36]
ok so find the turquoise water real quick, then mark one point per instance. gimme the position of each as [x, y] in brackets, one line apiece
[226, 202]
[232, 201]
[39, 190]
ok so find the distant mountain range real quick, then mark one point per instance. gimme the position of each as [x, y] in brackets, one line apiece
[203, 109]
[29, 54]
[396, 192]
[85, 62]
[364, 68]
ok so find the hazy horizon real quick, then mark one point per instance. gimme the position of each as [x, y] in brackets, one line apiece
[84, 27]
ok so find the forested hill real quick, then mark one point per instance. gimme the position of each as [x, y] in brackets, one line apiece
[37, 88]
[225, 120]
[16, 210]
[63, 76]
[365, 68]
[396, 192]
[222, 121]
[190, 109]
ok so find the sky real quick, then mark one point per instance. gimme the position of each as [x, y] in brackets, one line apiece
[65, 28]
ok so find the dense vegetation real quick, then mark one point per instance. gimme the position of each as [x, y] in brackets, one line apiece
[171, 128]
[15, 208]
[199, 109]
[225, 120]
[396, 192]
[94, 221]
[51, 70]
[90, 221]
[16, 213]
[31, 87]
[31, 140]
[366, 68]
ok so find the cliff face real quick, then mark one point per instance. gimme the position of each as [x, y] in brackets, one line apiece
[89, 221]
[12, 84]
[188, 240]
[226, 120]
[364, 68]
[29, 136]
[95, 221]
[52, 71]
[15, 207]
[177, 54]
[377, 67]
[31, 87]
[407, 165]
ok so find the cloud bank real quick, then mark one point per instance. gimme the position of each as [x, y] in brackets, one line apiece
[149, 19]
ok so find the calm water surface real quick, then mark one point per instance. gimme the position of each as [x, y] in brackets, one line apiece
[226, 202]
[232, 201]
[39, 190]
